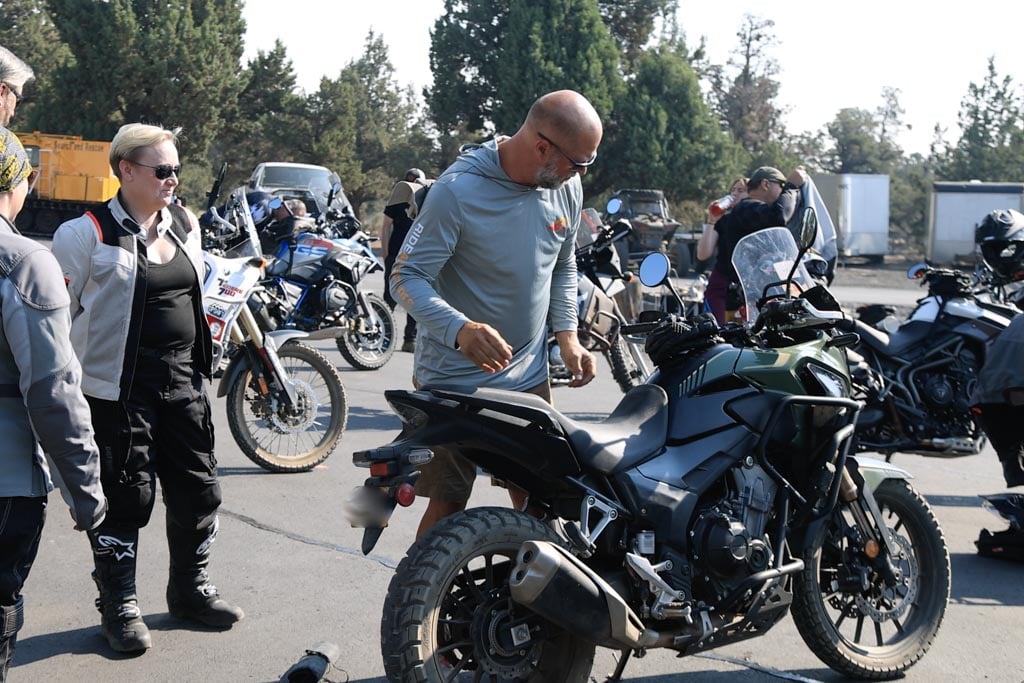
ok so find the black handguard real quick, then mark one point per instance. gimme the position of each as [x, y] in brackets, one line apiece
[674, 338]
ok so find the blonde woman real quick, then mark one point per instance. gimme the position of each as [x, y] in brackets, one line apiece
[134, 271]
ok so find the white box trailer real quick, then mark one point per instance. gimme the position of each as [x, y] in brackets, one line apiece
[956, 208]
[859, 206]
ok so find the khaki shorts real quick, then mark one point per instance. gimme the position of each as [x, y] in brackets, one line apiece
[449, 476]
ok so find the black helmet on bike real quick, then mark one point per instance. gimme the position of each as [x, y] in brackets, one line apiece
[262, 206]
[1000, 236]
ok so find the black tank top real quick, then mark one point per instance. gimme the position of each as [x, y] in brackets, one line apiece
[168, 321]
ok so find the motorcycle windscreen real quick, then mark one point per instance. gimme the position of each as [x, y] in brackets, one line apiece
[763, 260]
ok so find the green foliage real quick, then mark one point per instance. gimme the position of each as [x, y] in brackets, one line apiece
[259, 124]
[102, 64]
[631, 23]
[662, 135]
[991, 144]
[552, 46]
[744, 91]
[28, 32]
[859, 145]
[173, 64]
[466, 47]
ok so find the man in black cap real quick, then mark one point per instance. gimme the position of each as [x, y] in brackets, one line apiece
[399, 214]
[771, 201]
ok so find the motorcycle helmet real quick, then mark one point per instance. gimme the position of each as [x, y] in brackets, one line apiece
[1000, 237]
[417, 176]
[262, 206]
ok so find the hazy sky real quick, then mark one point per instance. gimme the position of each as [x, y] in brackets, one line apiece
[831, 55]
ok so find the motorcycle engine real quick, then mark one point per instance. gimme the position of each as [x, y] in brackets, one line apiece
[334, 298]
[947, 394]
[727, 540]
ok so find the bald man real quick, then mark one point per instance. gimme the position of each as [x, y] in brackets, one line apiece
[489, 262]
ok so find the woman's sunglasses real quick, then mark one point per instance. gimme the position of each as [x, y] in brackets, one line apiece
[163, 171]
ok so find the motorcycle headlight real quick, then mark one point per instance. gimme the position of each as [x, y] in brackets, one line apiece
[830, 383]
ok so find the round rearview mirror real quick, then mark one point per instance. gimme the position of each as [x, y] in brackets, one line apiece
[654, 269]
[917, 271]
[613, 207]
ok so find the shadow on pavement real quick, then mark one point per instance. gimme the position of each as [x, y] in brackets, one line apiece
[955, 501]
[985, 581]
[368, 418]
[79, 641]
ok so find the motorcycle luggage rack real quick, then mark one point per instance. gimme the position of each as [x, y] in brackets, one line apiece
[840, 441]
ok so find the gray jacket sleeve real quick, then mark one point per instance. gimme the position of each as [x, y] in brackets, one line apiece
[38, 323]
[562, 313]
[427, 248]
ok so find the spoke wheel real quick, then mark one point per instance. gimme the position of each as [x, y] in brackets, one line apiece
[846, 612]
[368, 343]
[297, 439]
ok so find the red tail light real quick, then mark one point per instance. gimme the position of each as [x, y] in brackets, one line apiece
[405, 495]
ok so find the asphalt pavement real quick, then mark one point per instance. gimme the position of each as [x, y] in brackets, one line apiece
[286, 555]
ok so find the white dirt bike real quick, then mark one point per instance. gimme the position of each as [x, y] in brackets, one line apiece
[285, 400]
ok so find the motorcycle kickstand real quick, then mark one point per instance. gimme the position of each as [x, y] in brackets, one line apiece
[623, 660]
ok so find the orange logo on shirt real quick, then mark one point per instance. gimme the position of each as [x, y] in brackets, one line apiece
[560, 225]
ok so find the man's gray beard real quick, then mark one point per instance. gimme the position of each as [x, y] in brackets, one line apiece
[548, 178]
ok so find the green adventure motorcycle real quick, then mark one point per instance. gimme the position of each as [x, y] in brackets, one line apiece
[716, 498]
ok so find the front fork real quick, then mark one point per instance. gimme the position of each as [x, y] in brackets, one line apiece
[856, 492]
[263, 359]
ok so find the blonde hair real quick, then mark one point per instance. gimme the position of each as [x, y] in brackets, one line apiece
[134, 136]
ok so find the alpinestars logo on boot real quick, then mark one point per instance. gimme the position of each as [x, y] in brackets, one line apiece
[112, 545]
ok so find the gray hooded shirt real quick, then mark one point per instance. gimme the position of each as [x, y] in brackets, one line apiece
[489, 250]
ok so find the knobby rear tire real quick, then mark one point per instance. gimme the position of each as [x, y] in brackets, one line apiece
[432, 580]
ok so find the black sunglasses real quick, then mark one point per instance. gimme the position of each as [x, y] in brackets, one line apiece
[578, 165]
[17, 95]
[163, 171]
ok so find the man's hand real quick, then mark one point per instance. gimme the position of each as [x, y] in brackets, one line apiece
[483, 345]
[797, 176]
[580, 362]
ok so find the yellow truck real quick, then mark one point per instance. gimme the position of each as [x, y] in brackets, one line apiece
[74, 176]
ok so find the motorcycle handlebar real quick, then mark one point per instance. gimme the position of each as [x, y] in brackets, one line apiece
[639, 328]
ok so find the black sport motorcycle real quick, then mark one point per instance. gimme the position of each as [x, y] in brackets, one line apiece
[716, 498]
[916, 376]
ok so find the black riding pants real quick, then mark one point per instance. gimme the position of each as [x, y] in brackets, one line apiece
[1002, 425]
[163, 431]
[21, 525]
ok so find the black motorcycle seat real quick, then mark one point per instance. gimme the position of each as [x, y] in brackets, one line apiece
[636, 429]
[908, 335]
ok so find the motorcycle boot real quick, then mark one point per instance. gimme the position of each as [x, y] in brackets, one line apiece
[1009, 543]
[190, 595]
[114, 555]
[12, 617]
